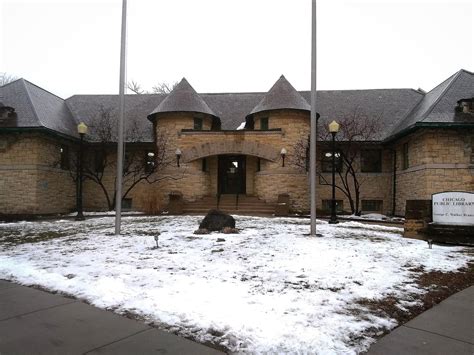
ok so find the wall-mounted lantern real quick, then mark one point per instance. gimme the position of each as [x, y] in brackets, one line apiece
[283, 153]
[178, 156]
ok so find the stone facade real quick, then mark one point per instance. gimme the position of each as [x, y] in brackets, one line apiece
[425, 144]
[438, 160]
[265, 179]
[31, 180]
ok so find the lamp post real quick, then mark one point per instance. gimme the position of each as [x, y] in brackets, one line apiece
[178, 156]
[333, 128]
[283, 154]
[82, 130]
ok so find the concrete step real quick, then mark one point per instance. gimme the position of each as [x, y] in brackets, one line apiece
[227, 203]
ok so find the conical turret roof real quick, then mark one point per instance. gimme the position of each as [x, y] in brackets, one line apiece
[282, 95]
[183, 98]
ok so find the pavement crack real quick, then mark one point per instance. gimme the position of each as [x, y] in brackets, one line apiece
[441, 335]
[36, 311]
[116, 341]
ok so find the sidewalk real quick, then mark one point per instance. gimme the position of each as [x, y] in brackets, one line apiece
[447, 328]
[33, 321]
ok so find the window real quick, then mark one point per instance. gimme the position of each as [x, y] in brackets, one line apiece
[99, 161]
[405, 156]
[197, 124]
[326, 163]
[205, 165]
[64, 157]
[371, 161]
[264, 123]
[150, 162]
[327, 205]
[372, 205]
[126, 204]
[259, 166]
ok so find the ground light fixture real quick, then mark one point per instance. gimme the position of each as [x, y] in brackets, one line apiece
[82, 130]
[333, 129]
[178, 156]
[156, 239]
[283, 153]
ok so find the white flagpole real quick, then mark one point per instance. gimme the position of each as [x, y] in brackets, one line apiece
[120, 142]
[312, 145]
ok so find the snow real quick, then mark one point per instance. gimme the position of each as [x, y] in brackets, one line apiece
[241, 126]
[269, 289]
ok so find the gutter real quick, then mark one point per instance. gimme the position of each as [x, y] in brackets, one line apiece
[419, 125]
[38, 129]
[64, 136]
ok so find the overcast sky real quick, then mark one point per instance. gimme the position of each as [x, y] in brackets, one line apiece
[72, 47]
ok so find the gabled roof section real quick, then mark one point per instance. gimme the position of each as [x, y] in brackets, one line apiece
[36, 107]
[438, 105]
[183, 98]
[282, 95]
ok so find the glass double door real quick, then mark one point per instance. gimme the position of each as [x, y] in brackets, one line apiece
[231, 172]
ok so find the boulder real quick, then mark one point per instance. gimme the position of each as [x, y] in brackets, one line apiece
[216, 221]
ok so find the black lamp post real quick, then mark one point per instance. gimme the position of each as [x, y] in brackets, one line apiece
[333, 128]
[178, 156]
[82, 130]
[283, 153]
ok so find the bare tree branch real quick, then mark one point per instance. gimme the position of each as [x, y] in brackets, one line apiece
[355, 129]
[134, 87]
[6, 78]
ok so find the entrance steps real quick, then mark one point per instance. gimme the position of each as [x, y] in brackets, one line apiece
[232, 204]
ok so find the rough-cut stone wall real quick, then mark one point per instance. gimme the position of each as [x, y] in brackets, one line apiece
[30, 180]
[272, 179]
[373, 186]
[142, 194]
[439, 160]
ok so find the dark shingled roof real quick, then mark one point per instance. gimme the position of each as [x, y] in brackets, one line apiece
[438, 105]
[183, 98]
[88, 108]
[388, 105]
[36, 107]
[397, 108]
[282, 95]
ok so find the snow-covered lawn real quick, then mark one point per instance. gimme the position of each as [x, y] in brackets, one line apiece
[269, 289]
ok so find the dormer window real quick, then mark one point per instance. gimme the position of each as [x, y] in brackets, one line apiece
[264, 123]
[6, 112]
[197, 124]
[465, 106]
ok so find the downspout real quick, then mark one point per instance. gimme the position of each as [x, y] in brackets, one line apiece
[394, 181]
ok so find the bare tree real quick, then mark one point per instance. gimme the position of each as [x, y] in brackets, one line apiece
[135, 87]
[356, 129]
[6, 78]
[164, 87]
[142, 161]
[160, 88]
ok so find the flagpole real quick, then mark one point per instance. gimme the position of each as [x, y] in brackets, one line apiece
[120, 141]
[312, 149]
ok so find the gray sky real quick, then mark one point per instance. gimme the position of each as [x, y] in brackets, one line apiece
[72, 47]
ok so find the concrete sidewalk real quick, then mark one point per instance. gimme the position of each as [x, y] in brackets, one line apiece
[447, 328]
[37, 322]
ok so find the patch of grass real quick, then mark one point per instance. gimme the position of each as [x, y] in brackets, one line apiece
[16, 237]
[439, 286]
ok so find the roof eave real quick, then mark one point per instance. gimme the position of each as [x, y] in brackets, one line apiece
[419, 125]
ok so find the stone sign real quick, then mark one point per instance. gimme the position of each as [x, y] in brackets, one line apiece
[453, 208]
